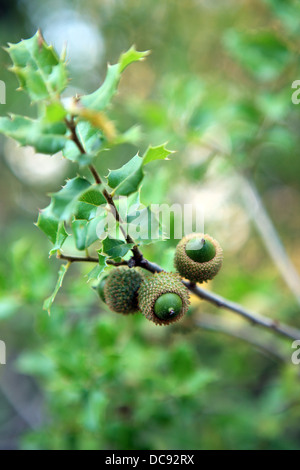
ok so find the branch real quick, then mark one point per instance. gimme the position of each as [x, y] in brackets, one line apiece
[135, 250]
[254, 318]
[90, 259]
[218, 301]
[96, 176]
[72, 127]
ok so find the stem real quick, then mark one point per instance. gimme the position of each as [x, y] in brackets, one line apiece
[254, 318]
[74, 136]
[218, 301]
[72, 126]
[96, 175]
[89, 259]
[109, 198]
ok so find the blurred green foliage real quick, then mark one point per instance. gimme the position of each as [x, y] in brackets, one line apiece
[218, 76]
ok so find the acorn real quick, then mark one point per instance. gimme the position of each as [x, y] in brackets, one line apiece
[121, 289]
[99, 288]
[198, 257]
[163, 299]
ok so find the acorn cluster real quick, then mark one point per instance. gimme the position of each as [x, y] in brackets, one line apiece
[162, 297]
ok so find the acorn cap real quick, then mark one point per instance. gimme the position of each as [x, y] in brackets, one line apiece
[121, 289]
[197, 271]
[153, 300]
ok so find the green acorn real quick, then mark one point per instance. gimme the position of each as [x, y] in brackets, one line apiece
[99, 288]
[121, 289]
[198, 257]
[163, 299]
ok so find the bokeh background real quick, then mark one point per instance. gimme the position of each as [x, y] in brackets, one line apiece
[217, 87]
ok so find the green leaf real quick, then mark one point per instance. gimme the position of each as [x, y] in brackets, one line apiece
[102, 97]
[85, 232]
[54, 112]
[61, 274]
[64, 202]
[48, 138]
[89, 203]
[115, 248]
[41, 73]
[79, 229]
[92, 141]
[98, 270]
[132, 55]
[53, 228]
[93, 227]
[126, 180]
[156, 153]
[48, 223]
[61, 237]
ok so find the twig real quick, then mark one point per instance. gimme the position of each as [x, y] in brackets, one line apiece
[256, 319]
[135, 250]
[72, 127]
[90, 259]
[218, 301]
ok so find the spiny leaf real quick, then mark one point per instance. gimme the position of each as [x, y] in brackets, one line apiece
[48, 138]
[92, 140]
[53, 228]
[48, 223]
[115, 248]
[40, 71]
[156, 153]
[132, 55]
[94, 229]
[64, 202]
[89, 203]
[102, 97]
[98, 269]
[61, 237]
[86, 232]
[54, 112]
[127, 179]
[79, 229]
[61, 274]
